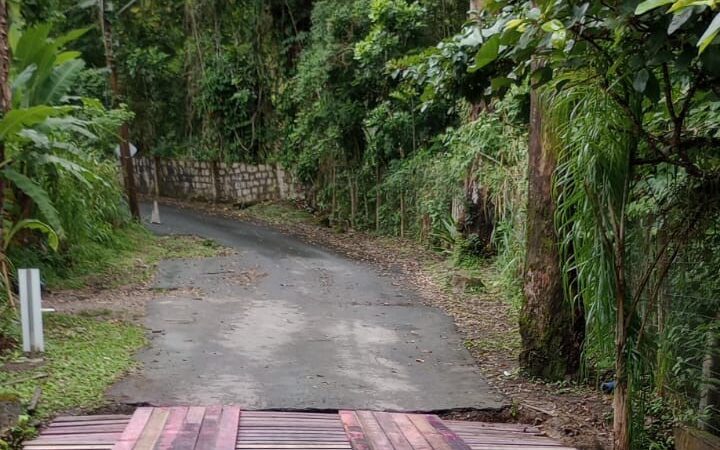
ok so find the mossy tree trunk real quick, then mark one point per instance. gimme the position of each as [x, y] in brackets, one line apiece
[5, 104]
[124, 132]
[551, 337]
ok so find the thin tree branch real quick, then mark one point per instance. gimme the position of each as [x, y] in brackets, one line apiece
[667, 84]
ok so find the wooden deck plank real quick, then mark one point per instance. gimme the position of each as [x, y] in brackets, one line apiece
[88, 423]
[91, 418]
[373, 432]
[518, 447]
[172, 428]
[134, 429]
[190, 429]
[68, 447]
[209, 428]
[107, 438]
[475, 426]
[411, 433]
[429, 432]
[455, 442]
[85, 430]
[392, 431]
[153, 429]
[228, 428]
[291, 446]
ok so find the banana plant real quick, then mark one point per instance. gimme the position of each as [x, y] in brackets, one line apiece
[42, 74]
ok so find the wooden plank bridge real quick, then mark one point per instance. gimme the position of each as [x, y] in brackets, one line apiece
[228, 428]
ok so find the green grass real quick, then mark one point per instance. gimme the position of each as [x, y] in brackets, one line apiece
[83, 356]
[128, 258]
[280, 213]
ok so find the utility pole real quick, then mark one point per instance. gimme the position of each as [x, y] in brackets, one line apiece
[125, 157]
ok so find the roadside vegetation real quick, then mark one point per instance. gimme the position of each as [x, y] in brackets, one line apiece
[83, 357]
[574, 145]
[64, 212]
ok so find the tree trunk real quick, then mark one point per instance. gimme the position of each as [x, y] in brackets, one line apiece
[402, 214]
[333, 208]
[378, 199]
[710, 391]
[5, 104]
[621, 399]
[353, 200]
[5, 92]
[125, 158]
[550, 346]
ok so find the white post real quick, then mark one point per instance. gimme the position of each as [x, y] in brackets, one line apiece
[31, 310]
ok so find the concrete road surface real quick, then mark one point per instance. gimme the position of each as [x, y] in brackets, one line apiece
[287, 325]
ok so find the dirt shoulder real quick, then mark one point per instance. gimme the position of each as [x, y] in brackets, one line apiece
[575, 414]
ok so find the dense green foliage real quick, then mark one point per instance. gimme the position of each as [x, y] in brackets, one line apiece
[63, 207]
[410, 118]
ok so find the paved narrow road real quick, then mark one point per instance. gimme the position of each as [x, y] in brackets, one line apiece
[285, 325]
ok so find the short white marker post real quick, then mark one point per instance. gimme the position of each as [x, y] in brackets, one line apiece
[31, 310]
[155, 217]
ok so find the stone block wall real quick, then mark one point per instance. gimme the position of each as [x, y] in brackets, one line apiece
[214, 182]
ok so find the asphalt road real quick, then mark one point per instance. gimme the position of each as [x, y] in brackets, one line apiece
[286, 325]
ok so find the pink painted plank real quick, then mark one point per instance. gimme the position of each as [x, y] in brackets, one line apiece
[88, 423]
[429, 432]
[69, 447]
[373, 432]
[173, 426]
[190, 430]
[153, 429]
[455, 442]
[354, 430]
[228, 428]
[209, 428]
[109, 438]
[516, 447]
[411, 433]
[134, 429]
[392, 431]
[91, 418]
[86, 430]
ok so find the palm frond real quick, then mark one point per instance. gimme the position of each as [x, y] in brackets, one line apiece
[38, 195]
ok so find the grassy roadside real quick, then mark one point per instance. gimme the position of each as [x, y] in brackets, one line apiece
[130, 260]
[279, 214]
[86, 353]
[83, 356]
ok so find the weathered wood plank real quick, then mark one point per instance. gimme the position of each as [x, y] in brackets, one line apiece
[429, 432]
[91, 418]
[134, 429]
[153, 429]
[475, 426]
[291, 446]
[373, 432]
[392, 431]
[228, 428]
[517, 447]
[85, 430]
[283, 435]
[190, 429]
[172, 429]
[411, 433]
[88, 423]
[68, 447]
[209, 428]
[98, 438]
[448, 435]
